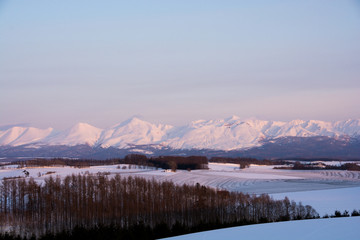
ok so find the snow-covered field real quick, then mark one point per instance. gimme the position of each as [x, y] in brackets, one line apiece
[325, 190]
[262, 179]
[329, 229]
[40, 173]
[327, 201]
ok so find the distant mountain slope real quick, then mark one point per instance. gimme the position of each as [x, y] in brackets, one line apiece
[81, 133]
[228, 134]
[306, 147]
[133, 131]
[16, 136]
[345, 148]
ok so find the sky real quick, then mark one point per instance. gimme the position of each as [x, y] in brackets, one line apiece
[102, 62]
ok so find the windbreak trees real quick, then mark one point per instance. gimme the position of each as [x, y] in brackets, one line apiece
[102, 200]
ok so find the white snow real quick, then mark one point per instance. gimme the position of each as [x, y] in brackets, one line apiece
[253, 180]
[133, 131]
[225, 134]
[40, 173]
[315, 229]
[327, 201]
[81, 133]
[17, 136]
[325, 190]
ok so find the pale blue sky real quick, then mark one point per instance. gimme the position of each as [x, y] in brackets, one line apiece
[102, 62]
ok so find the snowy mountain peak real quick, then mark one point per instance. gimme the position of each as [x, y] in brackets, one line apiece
[16, 136]
[232, 118]
[80, 133]
[131, 121]
[82, 127]
[296, 122]
[133, 131]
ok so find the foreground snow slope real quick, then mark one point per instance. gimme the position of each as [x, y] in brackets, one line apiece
[336, 199]
[224, 134]
[329, 229]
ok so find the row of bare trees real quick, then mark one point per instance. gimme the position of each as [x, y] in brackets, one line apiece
[245, 162]
[166, 162]
[80, 163]
[29, 207]
[169, 162]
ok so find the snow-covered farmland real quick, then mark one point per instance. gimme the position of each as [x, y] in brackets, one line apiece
[327, 201]
[253, 180]
[329, 229]
[261, 179]
[40, 173]
[325, 190]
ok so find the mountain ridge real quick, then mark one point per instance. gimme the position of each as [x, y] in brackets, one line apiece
[231, 133]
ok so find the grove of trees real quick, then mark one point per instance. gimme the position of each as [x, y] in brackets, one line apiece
[314, 166]
[165, 162]
[169, 162]
[245, 162]
[88, 201]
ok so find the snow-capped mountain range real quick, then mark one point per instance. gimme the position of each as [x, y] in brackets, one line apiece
[223, 134]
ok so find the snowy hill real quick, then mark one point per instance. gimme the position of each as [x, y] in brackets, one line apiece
[223, 134]
[329, 229]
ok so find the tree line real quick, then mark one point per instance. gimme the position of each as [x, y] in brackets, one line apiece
[80, 163]
[89, 201]
[314, 166]
[165, 162]
[245, 162]
[169, 162]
